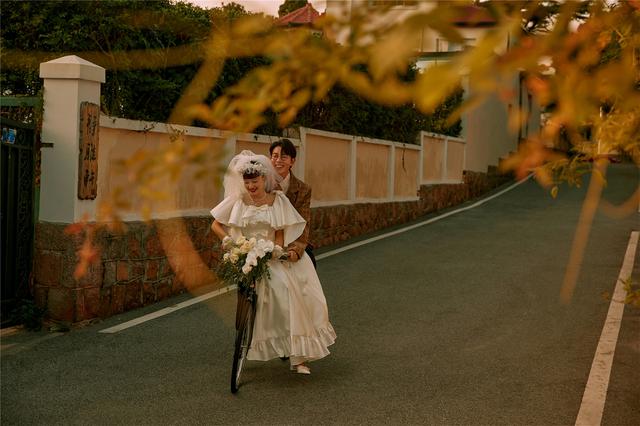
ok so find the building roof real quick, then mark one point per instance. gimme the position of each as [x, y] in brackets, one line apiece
[473, 16]
[306, 15]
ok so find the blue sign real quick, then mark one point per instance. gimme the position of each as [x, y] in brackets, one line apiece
[8, 135]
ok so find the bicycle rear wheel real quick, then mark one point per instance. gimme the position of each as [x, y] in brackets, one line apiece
[244, 330]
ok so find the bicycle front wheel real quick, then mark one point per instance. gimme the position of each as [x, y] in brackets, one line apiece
[243, 341]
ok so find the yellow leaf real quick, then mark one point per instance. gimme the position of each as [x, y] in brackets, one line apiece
[433, 86]
[543, 176]
[300, 98]
[250, 25]
[391, 54]
[146, 212]
[151, 194]
[287, 116]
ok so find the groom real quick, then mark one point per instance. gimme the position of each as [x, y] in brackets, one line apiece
[283, 156]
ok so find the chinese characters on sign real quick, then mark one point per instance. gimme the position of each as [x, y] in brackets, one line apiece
[88, 161]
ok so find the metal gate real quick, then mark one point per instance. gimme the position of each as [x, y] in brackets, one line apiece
[17, 232]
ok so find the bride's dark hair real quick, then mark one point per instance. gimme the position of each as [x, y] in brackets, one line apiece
[250, 175]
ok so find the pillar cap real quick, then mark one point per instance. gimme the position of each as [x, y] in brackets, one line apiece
[72, 67]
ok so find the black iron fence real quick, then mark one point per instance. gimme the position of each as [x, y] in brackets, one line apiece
[18, 200]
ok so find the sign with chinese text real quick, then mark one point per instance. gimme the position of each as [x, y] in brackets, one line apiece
[88, 161]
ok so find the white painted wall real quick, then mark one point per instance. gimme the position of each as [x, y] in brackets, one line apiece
[485, 128]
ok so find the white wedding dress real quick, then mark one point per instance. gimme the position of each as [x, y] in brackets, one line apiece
[292, 317]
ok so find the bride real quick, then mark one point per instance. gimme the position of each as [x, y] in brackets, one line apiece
[292, 319]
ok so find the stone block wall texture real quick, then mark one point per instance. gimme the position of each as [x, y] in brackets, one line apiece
[134, 270]
[334, 224]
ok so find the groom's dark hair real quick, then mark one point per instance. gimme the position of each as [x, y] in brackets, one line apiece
[286, 147]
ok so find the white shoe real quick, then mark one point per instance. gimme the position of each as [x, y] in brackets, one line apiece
[301, 369]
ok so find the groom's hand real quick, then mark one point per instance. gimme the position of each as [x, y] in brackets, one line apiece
[293, 256]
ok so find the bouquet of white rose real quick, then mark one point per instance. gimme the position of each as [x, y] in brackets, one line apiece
[245, 261]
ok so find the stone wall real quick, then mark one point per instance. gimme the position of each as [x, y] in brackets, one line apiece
[134, 269]
[334, 224]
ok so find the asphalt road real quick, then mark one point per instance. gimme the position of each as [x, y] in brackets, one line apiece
[458, 322]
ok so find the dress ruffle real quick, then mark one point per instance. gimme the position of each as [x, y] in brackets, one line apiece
[228, 210]
[308, 347]
[233, 212]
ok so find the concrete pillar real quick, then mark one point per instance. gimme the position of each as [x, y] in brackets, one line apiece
[353, 169]
[68, 81]
[299, 168]
[391, 177]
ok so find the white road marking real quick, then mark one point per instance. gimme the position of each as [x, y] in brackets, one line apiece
[215, 293]
[595, 393]
[167, 310]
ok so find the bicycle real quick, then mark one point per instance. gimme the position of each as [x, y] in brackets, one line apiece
[245, 318]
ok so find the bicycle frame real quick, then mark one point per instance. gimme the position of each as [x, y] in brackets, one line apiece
[245, 317]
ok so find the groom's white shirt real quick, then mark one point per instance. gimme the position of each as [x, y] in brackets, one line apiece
[284, 184]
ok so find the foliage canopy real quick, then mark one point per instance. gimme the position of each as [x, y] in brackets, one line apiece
[174, 37]
[107, 33]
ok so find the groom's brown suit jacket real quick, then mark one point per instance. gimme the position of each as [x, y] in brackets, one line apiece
[299, 193]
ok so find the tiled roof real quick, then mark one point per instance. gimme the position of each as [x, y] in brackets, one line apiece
[306, 15]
